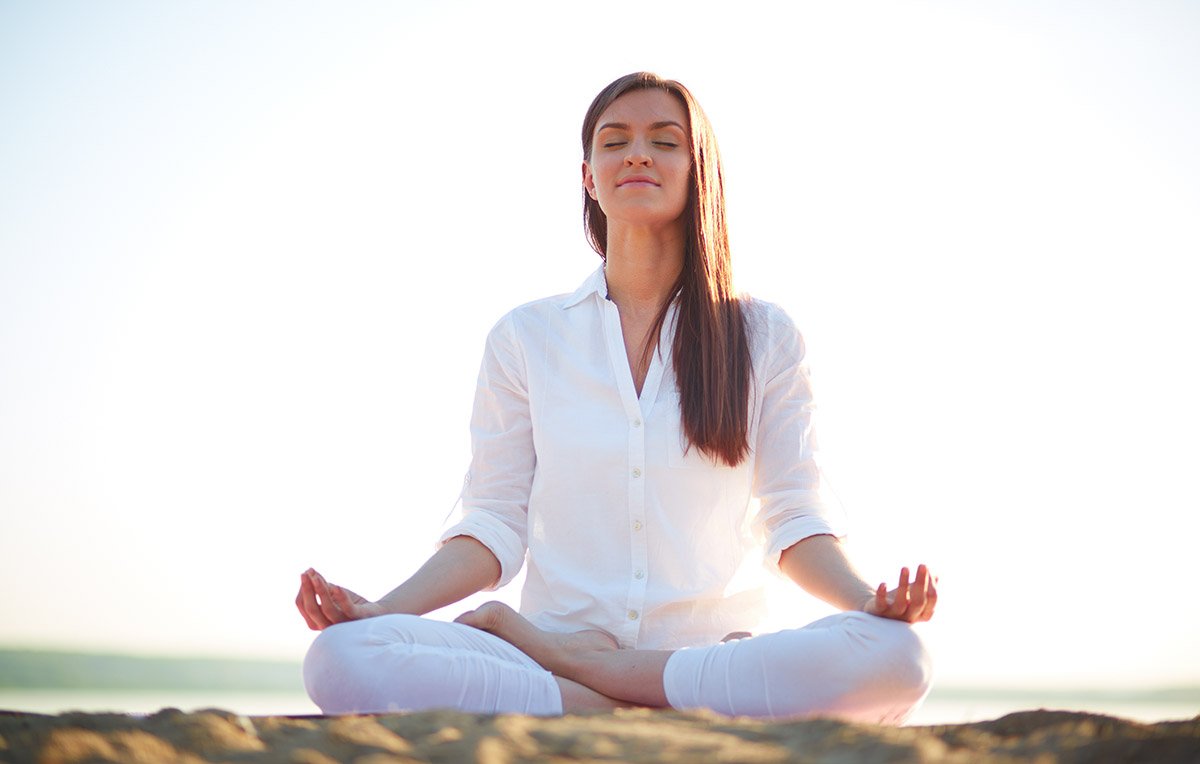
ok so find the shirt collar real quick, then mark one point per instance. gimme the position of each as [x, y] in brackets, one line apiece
[594, 284]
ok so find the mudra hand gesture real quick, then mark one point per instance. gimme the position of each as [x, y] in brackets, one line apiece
[323, 604]
[907, 602]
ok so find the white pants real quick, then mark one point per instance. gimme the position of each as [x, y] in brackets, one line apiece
[849, 666]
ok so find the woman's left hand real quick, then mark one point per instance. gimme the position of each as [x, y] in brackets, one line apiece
[910, 602]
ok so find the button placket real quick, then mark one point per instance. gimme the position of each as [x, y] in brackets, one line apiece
[636, 598]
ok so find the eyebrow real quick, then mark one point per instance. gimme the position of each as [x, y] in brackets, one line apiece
[655, 126]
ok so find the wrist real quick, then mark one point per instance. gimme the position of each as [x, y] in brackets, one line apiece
[397, 603]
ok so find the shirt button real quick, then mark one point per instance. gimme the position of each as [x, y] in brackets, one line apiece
[639, 575]
[637, 472]
[637, 423]
[633, 615]
[637, 525]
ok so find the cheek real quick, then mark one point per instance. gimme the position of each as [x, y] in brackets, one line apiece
[685, 182]
[605, 169]
[604, 175]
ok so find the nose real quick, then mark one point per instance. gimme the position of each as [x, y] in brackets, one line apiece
[637, 155]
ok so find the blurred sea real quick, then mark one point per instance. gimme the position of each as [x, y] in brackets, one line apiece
[50, 682]
[965, 706]
[950, 707]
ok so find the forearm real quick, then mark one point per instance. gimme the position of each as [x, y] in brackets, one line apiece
[462, 567]
[819, 564]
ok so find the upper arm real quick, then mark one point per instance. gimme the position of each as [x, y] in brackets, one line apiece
[787, 480]
[496, 493]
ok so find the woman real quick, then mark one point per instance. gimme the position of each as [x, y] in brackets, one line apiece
[618, 436]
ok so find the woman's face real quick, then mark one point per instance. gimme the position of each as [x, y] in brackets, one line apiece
[641, 159]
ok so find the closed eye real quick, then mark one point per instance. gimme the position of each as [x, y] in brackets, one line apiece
[618, 144]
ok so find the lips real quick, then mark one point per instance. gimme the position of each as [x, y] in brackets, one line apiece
[639, 179]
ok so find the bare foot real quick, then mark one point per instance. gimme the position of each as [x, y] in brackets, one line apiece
[555, 652]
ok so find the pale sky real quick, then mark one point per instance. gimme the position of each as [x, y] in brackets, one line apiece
[249, 253]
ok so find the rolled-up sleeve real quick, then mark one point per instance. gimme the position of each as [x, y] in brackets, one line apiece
[495, 496]
[786, 477]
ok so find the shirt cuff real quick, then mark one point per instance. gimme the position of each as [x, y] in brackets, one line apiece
[793, 532]
[497, 537]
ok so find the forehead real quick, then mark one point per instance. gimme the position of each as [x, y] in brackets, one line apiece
[645, 107]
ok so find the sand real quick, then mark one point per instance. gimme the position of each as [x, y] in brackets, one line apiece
[632, 736]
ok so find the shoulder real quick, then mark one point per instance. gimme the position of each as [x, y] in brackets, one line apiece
[539, 308]
[530, 315]
[543, 309]
[528, 324]
[766, 315]
[771, 331]
[537, 315]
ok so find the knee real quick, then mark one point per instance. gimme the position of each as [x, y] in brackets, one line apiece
[351, 667]
[909, 666]
[327, 665]
[897, 665]
[879, 672]
[338, 668]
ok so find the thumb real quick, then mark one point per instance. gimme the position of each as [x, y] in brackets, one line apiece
[341, 599]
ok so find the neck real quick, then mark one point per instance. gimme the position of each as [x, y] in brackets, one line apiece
[641, 265]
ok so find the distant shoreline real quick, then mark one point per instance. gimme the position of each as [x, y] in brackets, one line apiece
[53, 669]
[1177, 694]
[30, 669]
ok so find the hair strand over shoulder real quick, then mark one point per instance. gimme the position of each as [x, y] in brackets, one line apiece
[711, 351]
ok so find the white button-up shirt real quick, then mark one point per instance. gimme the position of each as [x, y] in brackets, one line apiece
[622, 527]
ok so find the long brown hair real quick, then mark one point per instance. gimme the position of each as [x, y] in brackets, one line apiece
[710, 350]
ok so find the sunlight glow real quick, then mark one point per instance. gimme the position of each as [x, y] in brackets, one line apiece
[249, 255]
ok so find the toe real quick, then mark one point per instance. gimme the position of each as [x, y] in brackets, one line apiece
[596, 639]
[490, 616]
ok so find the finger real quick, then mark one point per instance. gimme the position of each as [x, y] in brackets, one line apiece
[931, 598]
[881, 600]
[314, 605]
[900, 604]
[305, 604]
[328, 609]
[321, 608]
[917, 599]
[310, 608]
[341, 598]
[300, 606]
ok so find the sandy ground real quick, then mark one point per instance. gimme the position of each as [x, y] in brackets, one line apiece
[632, 736]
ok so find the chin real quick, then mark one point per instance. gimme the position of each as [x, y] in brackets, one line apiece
[645, 216]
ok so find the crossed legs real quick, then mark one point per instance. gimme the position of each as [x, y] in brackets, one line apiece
[589, 658]
[851, 666]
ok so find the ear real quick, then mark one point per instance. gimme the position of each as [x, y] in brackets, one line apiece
[589, 183]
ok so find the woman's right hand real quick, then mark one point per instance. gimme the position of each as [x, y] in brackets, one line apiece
[323, 604]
